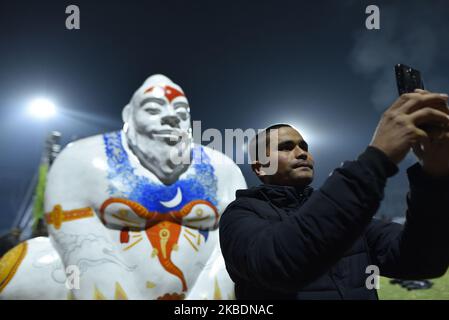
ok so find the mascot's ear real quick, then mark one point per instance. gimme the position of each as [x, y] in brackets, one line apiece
[126, 113]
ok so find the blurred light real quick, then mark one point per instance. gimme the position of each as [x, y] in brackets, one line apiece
[312, 134]
[41, 108]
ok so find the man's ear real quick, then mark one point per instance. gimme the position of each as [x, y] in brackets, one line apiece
[257, 167]
[126, 112]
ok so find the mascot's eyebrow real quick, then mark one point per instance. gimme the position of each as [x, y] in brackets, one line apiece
[152, 99]
[181, 105]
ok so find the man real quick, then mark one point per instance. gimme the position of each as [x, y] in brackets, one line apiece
[282, 240]
[132, 214]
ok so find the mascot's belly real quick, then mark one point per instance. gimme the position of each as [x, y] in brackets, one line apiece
[169, 248]
[169, 257]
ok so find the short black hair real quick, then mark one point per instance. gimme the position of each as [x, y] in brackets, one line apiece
[263, 136]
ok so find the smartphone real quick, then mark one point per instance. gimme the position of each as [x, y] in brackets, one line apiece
[408, 79]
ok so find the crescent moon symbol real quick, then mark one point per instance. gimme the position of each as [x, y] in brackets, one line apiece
[173, 202]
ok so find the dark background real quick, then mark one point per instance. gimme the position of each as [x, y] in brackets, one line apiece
[242, 65]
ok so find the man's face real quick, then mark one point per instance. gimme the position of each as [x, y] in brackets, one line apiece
[162, 114]
[295, 163]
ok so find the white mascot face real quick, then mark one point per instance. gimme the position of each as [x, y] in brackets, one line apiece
[158, 129]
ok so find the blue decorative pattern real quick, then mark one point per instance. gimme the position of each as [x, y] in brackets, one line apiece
[200, 184]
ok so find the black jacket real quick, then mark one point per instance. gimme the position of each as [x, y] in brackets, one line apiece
[284, 243]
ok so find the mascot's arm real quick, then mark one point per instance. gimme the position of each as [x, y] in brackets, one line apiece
[84, 244]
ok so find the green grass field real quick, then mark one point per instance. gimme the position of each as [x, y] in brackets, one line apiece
[439, 290]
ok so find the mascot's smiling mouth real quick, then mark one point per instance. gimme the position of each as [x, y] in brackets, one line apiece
[170, 136]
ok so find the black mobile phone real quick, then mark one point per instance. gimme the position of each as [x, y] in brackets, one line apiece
[407, 79]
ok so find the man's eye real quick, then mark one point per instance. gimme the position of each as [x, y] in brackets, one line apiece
[285, 147]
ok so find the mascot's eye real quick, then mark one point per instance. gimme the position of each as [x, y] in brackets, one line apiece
[182, 114]
[152, 111]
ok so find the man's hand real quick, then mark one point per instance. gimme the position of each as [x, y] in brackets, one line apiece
[433, 152]
[433, 155]
[399, 128]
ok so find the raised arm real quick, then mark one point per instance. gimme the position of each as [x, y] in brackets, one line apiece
[420, 249]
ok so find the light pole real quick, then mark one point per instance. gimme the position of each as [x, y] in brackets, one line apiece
[30, 217]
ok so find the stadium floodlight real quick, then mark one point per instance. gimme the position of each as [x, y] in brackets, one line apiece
[41, 108]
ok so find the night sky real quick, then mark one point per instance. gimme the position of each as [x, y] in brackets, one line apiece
[242, 65]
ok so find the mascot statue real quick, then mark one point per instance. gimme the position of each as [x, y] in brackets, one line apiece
[131, 214]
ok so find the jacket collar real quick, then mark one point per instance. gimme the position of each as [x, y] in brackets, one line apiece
[280, 196]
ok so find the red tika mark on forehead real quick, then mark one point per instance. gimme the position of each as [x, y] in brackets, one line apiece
[169, 92]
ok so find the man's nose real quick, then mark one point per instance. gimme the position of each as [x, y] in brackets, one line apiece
[300, 153]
